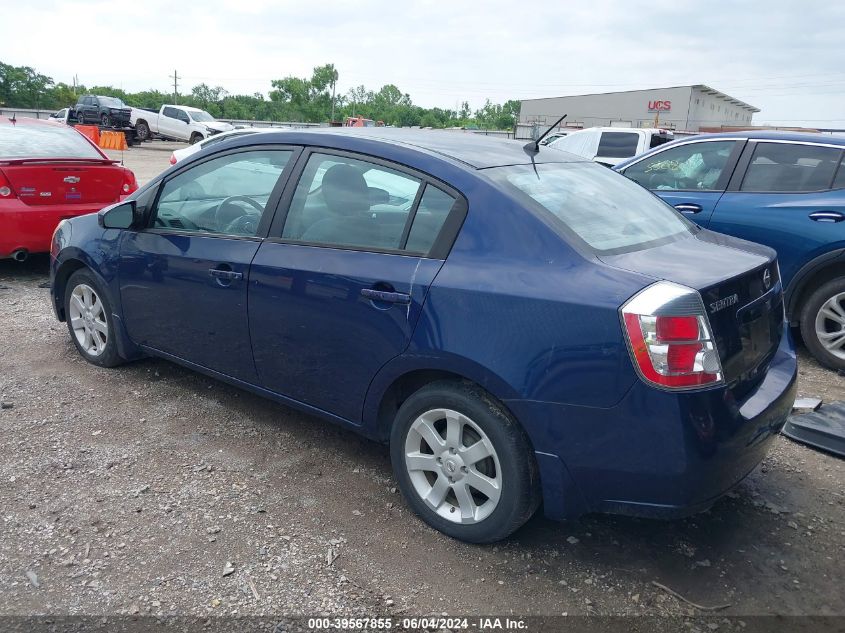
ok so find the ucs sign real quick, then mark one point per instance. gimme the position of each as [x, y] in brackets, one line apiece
[658, 106]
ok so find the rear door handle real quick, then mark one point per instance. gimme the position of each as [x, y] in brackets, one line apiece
[386, 296]
[229, 275]
[688, 208]
[827, 216]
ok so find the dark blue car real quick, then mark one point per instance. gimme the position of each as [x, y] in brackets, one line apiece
[519, 328]
[784, 190]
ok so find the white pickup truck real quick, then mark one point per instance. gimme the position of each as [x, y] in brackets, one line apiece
[175, 122]
[611, 145]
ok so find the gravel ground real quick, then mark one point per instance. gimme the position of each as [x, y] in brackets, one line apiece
[151, 489]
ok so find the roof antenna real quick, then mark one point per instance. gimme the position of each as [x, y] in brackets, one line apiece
[533, 147]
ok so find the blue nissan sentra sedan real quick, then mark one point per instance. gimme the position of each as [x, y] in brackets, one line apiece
[520, 326]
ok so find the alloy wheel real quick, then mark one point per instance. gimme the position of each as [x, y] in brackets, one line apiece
[830, 325]
[453, 466]
[88, 320]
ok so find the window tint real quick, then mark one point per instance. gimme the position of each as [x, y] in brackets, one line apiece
[226, 195]
[44, 140]
[434, 208]
[173, 113]
[618, 144]
[347, 202]
[693, 166]
[790, 167]
[607, 212]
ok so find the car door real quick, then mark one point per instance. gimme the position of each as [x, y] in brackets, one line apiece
[787, 195]
[170, 125]
[337, 288]
[183, 280]
[690, 176]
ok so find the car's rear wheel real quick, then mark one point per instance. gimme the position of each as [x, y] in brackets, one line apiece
[823, 324]
[142, 130]
[89, 320]
[464, 465]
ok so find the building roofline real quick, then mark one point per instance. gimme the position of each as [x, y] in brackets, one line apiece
[702, 87]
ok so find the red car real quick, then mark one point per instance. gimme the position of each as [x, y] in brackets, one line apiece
[49, 172]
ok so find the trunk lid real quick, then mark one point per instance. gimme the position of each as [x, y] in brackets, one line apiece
[740, 286]
[48, 182]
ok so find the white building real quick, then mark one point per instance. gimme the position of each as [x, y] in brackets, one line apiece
[677, 108]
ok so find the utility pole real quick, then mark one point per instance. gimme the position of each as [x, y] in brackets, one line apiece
[175, 87]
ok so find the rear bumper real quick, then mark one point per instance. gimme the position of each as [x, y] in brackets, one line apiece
[25, 227]
[656, 453]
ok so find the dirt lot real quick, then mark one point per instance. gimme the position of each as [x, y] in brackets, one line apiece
[151, 489]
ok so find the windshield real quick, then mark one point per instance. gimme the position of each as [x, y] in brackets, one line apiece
[605, 210]
[44, 141]
[111, 102]
[200, 115]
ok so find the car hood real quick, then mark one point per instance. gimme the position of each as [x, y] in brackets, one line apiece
[219, 126]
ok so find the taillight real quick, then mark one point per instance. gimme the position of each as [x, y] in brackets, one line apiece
[173, 159]
[129, 182]
[670, 338]
[6, 190]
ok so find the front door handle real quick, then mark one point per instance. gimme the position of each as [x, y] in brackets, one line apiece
[228, 275]
[688, 208]
[827, 216]
[386, 296]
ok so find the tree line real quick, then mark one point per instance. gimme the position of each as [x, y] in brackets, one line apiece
[290, 99]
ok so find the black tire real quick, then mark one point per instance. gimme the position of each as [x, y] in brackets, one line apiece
[104, 120]
[810, 312]
[196, 137]
[80, 117]
[109, 356]
[142, 130]
[520, 487]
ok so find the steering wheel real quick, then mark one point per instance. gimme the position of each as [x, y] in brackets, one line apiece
[245, 223]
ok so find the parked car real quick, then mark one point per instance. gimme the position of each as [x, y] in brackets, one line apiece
[517, 326]
[190, 150]
[61, 116]
[610, 145]
[177, 123]
[784, 190]
[50, 172]
[105, 111]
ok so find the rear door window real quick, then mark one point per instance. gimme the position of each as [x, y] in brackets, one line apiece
[346, 202]
[618, 144]
[608, 213]
[790, 167]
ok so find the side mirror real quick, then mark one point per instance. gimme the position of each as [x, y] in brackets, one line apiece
[123, 215]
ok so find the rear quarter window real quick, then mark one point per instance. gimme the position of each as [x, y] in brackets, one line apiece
[594, 205]
[618, 144]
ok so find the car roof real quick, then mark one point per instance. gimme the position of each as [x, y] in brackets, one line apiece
[25, 120]
[475, 150]
[774, 135]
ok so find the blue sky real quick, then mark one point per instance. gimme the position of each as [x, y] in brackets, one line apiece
[783, 57]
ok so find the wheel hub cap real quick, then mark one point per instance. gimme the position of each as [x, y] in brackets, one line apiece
[88, 320]
[830, 325]
[453, 466]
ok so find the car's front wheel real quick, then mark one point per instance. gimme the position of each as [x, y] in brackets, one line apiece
[463, 464]
[89, 320]
[823, 324]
